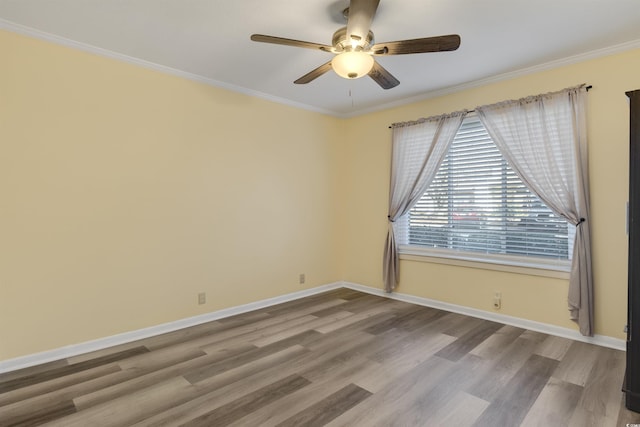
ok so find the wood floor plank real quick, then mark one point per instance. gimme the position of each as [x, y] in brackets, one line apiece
[257, 353]
[514, 401]
[32, 370]
[347, 294]
[320, 388]
[381, 406]
[303, 338]
[390, 347]
[393, 367]
[38, 415]
[626, 416]
[108, 386]
[419, 319]
[301, 327]
[112, 350]
[55, 398]
[358, 305]
[326, 351]
[601, 393]
[429, 404]
[128, 409]
[96, 382]
[577, 363]
[555, 405]
[496, 344]
[379, 309]
[582, 417]
[228, 386]
[364, 302]
[443, 322]
[554, 347]
[236, 409]
[284, 360]
[387, 344]
[186, 335]
[135, 378]
[328, 408]
[243, 318]
[39, 389]
[402, 317]
[460, 324]
[408, 318]
[488, 385]
[158, 369]
[304, 306]
[462, 410]
[467, 341]
[337, 340]
[213, 369]
[231, 334]
[337, 358]
[250, 332]
[62, 371]
[318, 364]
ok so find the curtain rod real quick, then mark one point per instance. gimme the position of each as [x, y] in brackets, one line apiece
[474, 110]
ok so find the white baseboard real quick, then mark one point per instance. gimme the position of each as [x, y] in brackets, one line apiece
[102, 343]
[601, 340]
[127, 337]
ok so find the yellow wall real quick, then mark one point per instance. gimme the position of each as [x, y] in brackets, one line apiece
[125, 192]
[531, 297]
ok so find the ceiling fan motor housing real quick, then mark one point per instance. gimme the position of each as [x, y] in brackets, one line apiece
[341, 44]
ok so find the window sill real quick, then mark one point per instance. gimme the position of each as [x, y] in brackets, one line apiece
[518, 265]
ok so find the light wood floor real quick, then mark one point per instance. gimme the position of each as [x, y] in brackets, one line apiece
[341, 358]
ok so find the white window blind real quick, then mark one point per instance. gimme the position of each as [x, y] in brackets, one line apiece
[476, 203]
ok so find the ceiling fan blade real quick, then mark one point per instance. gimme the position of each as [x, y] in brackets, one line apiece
[314, 74]
[290, 42]
[361, 13]
[424, 45]
[381, 76]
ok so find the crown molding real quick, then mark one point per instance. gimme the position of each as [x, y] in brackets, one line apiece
[52, 38]
[574, 59]
[597, 53]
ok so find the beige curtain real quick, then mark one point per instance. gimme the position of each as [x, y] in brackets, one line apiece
[544, 140]
[418, 149]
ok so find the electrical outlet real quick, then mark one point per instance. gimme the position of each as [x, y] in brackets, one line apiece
[302, 278]
[202, 298]
[497, 300]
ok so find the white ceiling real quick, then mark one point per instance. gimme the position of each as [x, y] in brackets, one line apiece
[208, 40]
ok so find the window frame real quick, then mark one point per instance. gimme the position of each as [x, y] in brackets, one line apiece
[504, 262]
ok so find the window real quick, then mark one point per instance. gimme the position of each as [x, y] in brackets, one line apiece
[478, 207]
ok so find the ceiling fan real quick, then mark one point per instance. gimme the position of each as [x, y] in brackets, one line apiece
[354, 47]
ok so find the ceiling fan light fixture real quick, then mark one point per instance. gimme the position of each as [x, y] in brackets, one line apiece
[354, 47]
[352, 65]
